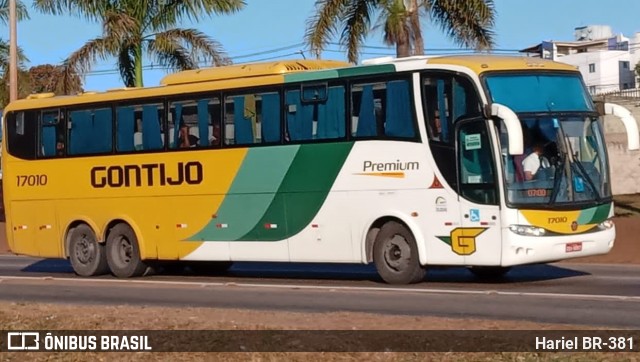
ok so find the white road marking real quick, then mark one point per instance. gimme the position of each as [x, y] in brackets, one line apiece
[329, 288]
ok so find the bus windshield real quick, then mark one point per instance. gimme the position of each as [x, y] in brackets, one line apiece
[546, 92]
[564, 159]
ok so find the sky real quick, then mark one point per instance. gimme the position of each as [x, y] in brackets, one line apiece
[265, 26]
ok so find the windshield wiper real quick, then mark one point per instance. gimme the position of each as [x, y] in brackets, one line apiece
[557, 179]
[586, 177]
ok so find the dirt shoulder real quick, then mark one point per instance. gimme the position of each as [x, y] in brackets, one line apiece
[27, 316]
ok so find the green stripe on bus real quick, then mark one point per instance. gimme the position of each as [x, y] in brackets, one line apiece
[305, 76]
[251, 193]
[303, 191]
[585, 216]
[367, 70]
[340, 72]
[600, 214]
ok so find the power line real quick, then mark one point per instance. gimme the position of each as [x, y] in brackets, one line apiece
[389, 51]
[268, 51]
[427, 49]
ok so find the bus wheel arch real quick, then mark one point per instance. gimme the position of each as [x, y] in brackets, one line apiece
[395, 252]
[123, 250]
[145, 251]
[74, 224]
[85, 252]
[374, 229]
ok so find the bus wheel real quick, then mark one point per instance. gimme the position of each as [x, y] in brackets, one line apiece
[396, 255]
[489, 272]
[123, 253]
[87, 256]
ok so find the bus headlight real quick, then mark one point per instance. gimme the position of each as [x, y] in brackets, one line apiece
[527, 230]
[606, 225]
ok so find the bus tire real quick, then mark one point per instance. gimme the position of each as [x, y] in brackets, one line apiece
[489, 272]
[123, 252]
[87, 256]
[395, 255]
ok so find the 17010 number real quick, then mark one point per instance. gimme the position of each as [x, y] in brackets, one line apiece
[32, 180]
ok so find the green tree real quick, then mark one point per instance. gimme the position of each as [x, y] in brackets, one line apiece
[24, 87]
[50, 78]
[638, 71]
[468, 22]
[135, 28]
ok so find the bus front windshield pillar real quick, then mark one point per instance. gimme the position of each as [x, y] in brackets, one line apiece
[514, 128]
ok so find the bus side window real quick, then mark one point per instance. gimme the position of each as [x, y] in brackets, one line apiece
[194, 123]
[447, 99]
[22, 130]
[52, 134]
[382, 109]
[139, 127]
[316, 112]
[252, 118]
[91, 131]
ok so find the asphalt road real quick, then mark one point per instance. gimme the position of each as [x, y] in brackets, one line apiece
[596, 295]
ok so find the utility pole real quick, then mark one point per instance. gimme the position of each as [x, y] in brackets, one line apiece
[13, 52]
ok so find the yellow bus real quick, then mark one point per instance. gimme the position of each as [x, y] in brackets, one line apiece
[479, 161]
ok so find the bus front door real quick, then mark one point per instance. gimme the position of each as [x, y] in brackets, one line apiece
[478, 238]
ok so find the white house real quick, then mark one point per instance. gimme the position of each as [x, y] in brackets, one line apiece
[606, 61]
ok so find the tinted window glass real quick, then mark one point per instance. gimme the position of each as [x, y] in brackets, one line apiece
[90, 131]
[447, 99]
[316, 113]
[252, 118]
[194, 123]
[382, 109]
[139, 127]
[477, 170]
[22, 133]
[53, 129]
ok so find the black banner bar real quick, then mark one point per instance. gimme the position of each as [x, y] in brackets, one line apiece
[323, 341]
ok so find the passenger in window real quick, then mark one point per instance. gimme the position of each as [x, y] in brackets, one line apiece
[215, 137]
[535, 162]
[186, 139]
[60, 146]
[436, 127]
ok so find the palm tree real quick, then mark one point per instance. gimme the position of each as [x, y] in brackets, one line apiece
[133, 28]
[23, 78]
[21, 11]
[21, 14]
[467, 22]
[4, 56]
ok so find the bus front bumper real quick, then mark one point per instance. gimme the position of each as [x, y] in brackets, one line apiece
[518, 249]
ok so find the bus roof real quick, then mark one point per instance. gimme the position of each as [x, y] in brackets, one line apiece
[481, 63]
[224, 77]
[249, 70]
[286, 71]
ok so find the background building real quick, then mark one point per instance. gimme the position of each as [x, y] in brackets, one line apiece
[606, 61]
